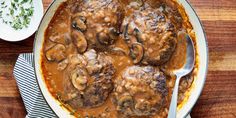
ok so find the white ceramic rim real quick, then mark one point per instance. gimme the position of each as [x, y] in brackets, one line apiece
[202, 48]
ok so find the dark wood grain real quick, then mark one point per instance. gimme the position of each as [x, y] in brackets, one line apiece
[218, 99]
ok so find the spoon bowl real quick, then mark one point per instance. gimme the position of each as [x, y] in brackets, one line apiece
[185, 70]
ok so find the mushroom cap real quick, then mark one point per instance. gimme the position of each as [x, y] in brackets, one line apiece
[79, 41]
[56, 53]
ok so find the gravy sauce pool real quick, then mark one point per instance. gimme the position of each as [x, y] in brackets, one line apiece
[58, 34]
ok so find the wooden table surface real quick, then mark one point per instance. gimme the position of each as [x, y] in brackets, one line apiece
[218, 99]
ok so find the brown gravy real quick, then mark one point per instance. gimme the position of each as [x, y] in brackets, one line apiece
[131, 22]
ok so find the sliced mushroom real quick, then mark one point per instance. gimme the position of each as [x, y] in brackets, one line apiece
[78, 23]
[137, 52]
[118, 51]
[49, 45]
[62, 65]
[56, 53]
[125, 101]
[104, 38]
[79, 78]
[113, 33]
[79, 41]
[126, 35]
[137, 34]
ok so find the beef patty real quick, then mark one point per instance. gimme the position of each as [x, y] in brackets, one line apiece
[99, 21]
[149, 33]
[89, 82]
[140, 91]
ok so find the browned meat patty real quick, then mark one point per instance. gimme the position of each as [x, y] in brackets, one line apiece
[140, 91]
[149, 33]
[99, 21]
[89, 81]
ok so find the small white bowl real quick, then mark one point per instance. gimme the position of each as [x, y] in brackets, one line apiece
[7, 33]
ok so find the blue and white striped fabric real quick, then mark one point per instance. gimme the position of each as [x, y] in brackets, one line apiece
[34, 102]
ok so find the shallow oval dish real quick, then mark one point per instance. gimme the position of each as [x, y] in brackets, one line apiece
[8, 33]
[196, 88]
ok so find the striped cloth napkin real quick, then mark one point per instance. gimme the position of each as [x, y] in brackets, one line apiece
[34, 102]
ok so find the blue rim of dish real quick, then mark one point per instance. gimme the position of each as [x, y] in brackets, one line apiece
[207, 58]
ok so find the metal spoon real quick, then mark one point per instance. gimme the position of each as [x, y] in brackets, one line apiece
[186, 69]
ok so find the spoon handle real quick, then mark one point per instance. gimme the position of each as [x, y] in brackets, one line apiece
[174, 99]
